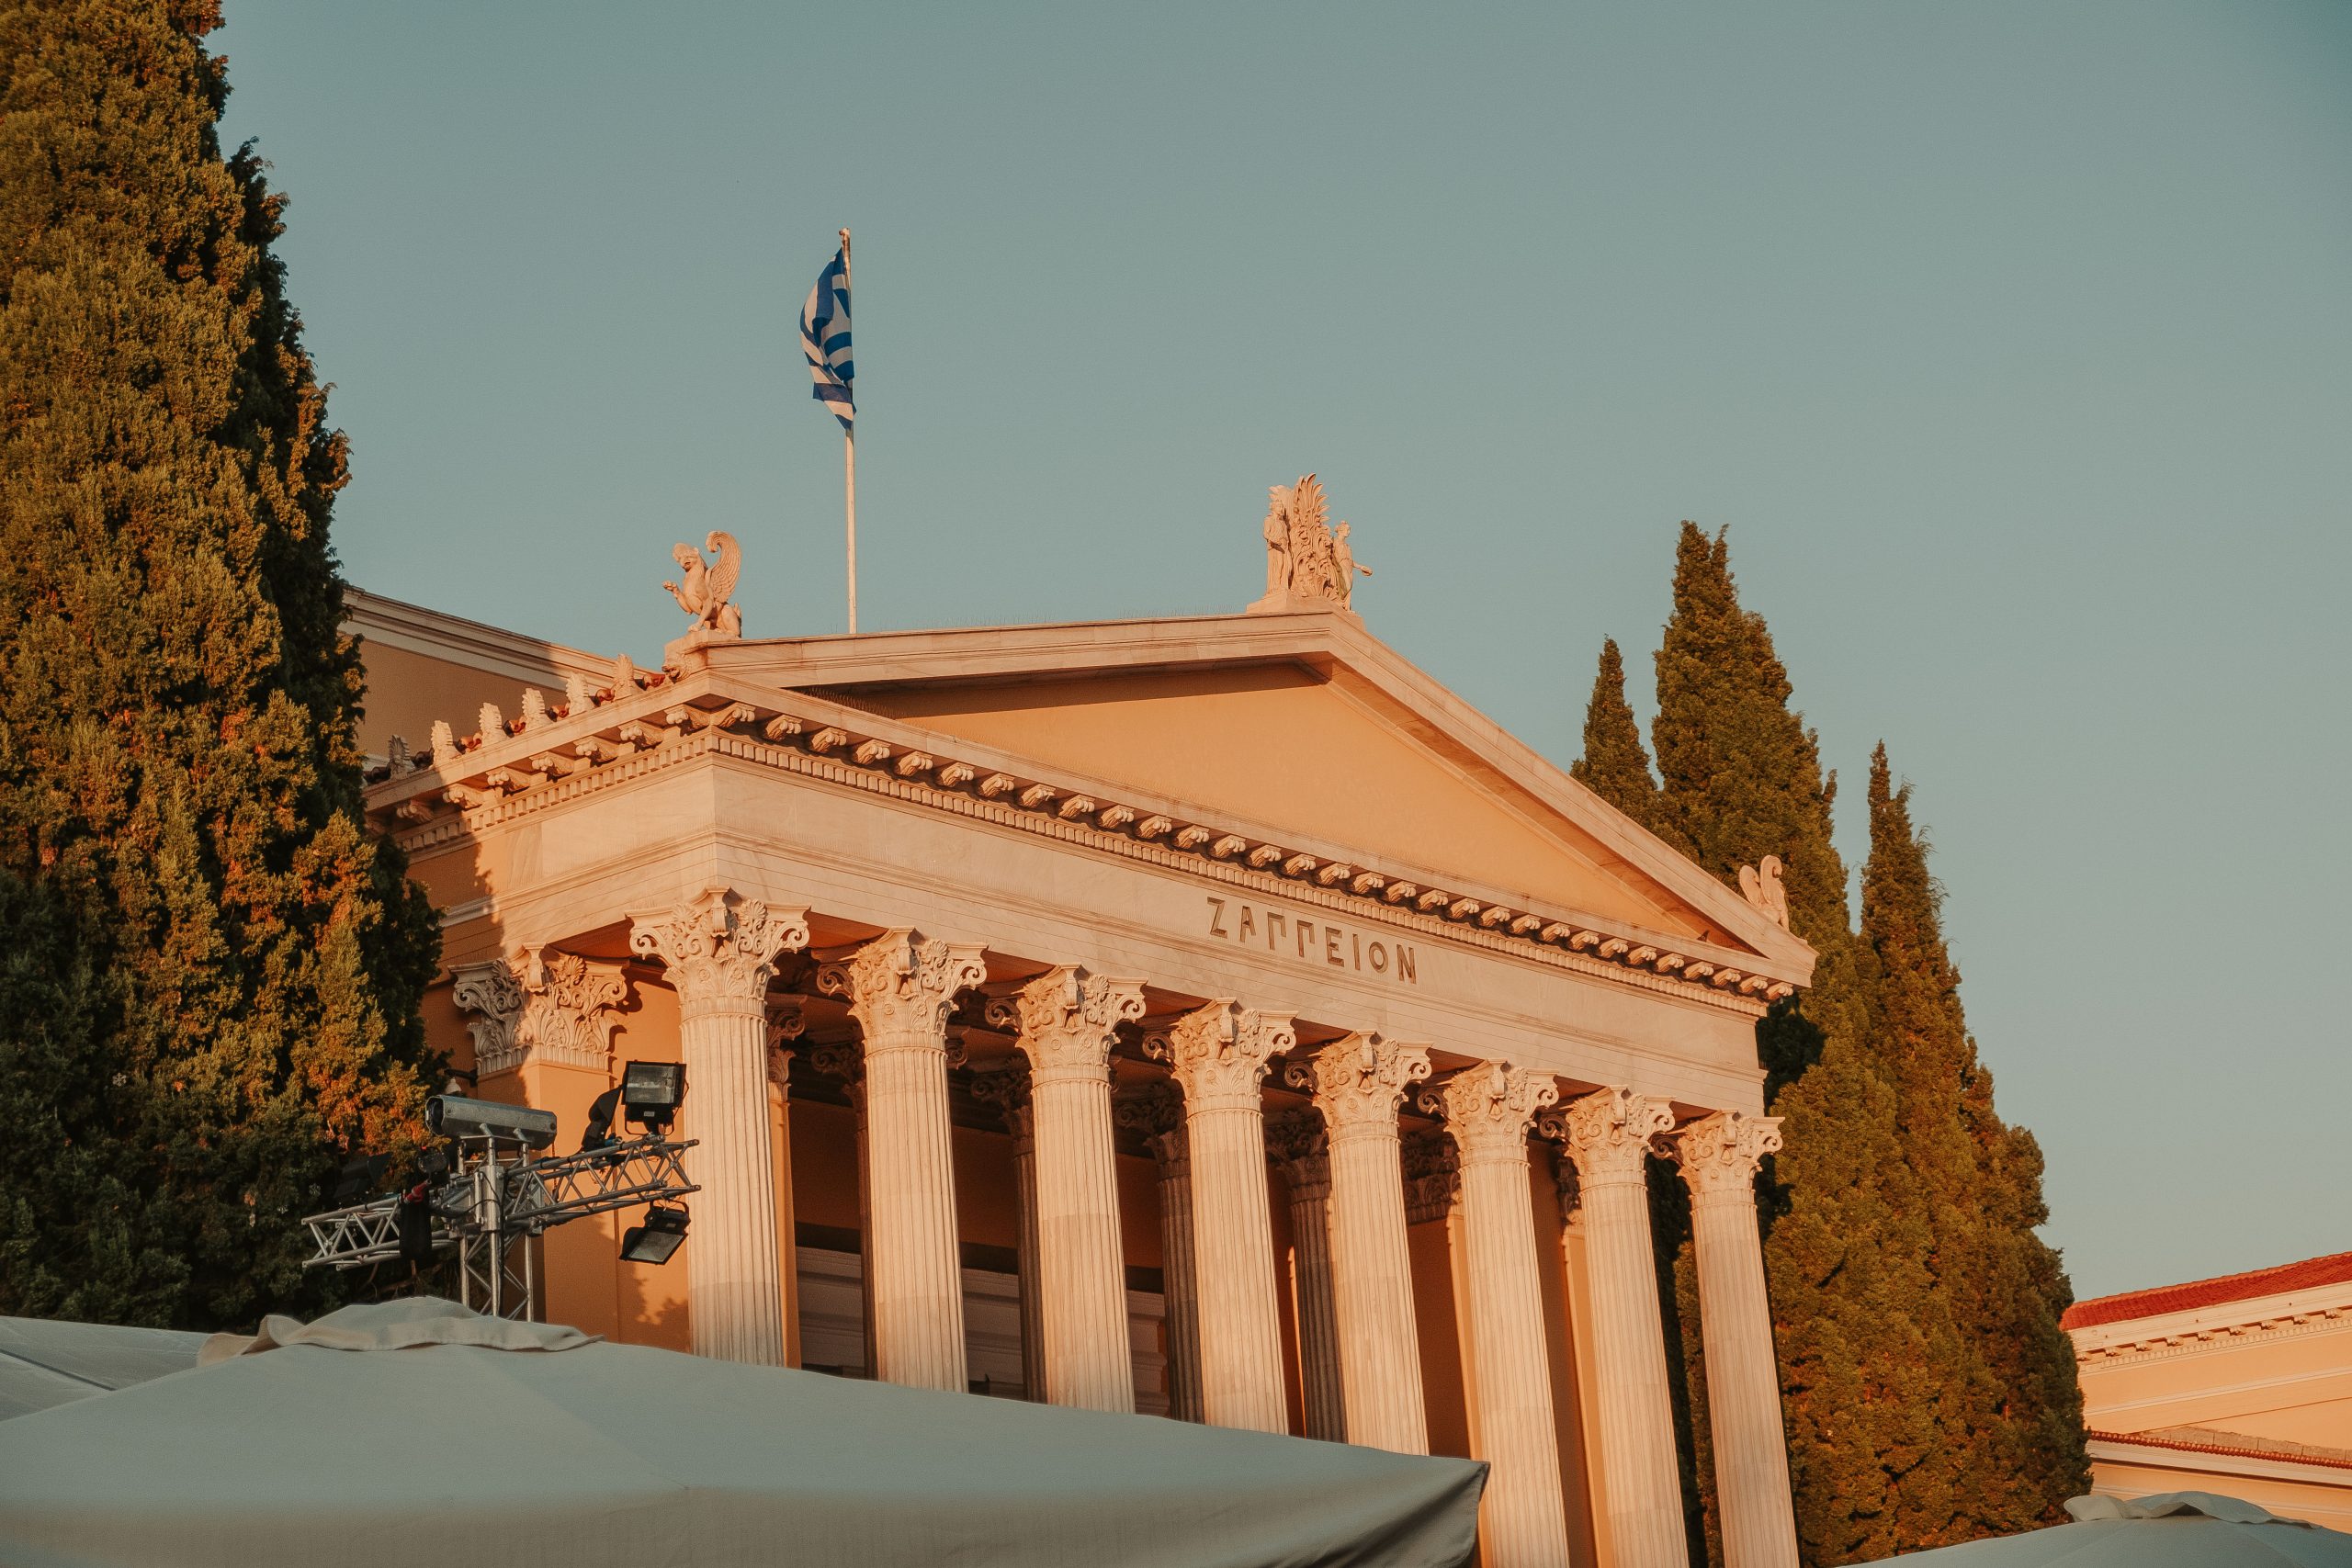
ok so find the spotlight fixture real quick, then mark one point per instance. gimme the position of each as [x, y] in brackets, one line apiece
[358, 1179]
[650, 1092]
[656, 1240]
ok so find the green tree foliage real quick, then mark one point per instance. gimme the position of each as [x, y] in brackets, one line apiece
[1615, 766]
[210, 984]
[2011, 1450]
[1846, 1246]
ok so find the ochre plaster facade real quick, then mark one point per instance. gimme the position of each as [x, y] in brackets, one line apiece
[2240, 1385]
[1005, 960]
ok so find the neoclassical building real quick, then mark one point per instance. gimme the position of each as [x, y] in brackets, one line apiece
[1208, 1017]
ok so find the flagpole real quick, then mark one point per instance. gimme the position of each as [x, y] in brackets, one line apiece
[849, 470]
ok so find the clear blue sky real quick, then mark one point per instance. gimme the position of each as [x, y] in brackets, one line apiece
[2013, 342]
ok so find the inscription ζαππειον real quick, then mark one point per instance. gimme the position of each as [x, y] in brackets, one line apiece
[1306, 940]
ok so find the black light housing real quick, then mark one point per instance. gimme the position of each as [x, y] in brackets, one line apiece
[599, 1130]
[358, 1179]
[650, 1092]
[658, 1238]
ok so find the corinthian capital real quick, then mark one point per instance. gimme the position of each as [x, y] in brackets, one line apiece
[1490, 1108]
[902, 986]
[1066, 1021]
[1006, 1087]
[1218, 1052]
[1359, 1082]
[1156, 1110]
[494, 994]
[1719, 1153]
[544, 1004]
[1608, 1133]
[719, 946]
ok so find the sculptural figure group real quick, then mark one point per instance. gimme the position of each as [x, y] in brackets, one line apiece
[1309, 565]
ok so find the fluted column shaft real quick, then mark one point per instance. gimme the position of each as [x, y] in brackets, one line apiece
[1157, 1111]
[1719, 1154]
[1608, 1135]
[1007, 1088]
[1523, 1520]
[1067, 1020]
[901, 987]
[1218, 1054]
[718, 950]
[1305, 1166]
[1359, 1083]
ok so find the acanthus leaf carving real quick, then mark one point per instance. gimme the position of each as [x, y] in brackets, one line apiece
[1432, 1177]
[1720, 1154]
[1155, 1110]
[1609, 1132]
[902, 986]
[492, 992]
[1490, 1108]
[1360, 1082]
[719, 947]
[544, 1003]
[1220, 1053]
[1066, 1021]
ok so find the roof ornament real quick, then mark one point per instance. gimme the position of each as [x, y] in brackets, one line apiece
[1760, 885]
[706, 590]
[1309, 565]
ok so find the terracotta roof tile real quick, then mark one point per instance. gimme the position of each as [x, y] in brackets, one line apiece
[2185, 1445]
[2309, 1274]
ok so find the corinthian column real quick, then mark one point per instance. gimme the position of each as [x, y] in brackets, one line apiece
[1359, 1082]
[901, 987]
[1523, 1521]
[719, 951]
[1719, 1154]
[1007, 1088]
[1157, 1110]
[1303, 1157]
[1218, 1055]
[1608, 1135]
[1065, 1021]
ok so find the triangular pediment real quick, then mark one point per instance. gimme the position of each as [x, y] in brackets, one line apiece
[1300, 722]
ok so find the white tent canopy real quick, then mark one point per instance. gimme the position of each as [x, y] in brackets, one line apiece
[45, 1362]
[443, 1451]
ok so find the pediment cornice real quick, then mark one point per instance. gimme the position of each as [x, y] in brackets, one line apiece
[556, 756]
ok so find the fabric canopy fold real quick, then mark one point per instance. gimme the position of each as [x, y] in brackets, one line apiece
[622, 1454]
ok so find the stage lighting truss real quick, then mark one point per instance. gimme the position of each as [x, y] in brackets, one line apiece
[499, 1197]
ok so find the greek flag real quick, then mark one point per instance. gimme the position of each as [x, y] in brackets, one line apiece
[824, 338]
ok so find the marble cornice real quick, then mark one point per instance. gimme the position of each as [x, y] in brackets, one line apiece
[565, 756]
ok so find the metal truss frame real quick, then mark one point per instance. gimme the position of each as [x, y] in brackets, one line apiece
[493, 1207]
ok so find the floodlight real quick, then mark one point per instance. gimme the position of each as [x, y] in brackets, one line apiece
[650, 1092]
[599, 1131]
[658, 1239]
[358, 1179]
[455, 1116]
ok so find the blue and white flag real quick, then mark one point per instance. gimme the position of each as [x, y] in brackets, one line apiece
[824, 338]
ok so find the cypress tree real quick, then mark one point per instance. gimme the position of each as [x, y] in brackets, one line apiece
[1845, 1246]
[209, 989]
[2012, 1447]
[1615, 766]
